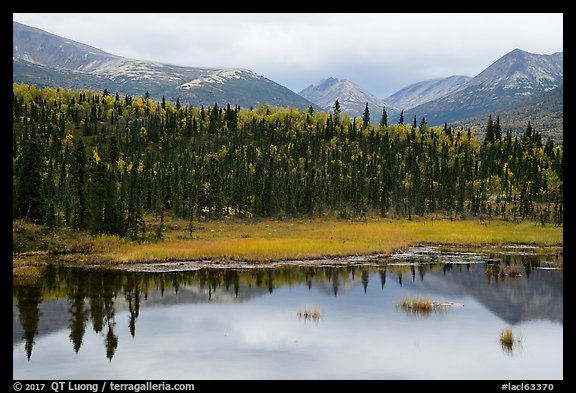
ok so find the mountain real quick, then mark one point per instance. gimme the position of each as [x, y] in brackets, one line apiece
[511, 81]
[351, 97]
[521, 302]
[421, 92]
[545, 113]
[46, 59]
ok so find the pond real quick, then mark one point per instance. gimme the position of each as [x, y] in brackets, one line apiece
[303, 320]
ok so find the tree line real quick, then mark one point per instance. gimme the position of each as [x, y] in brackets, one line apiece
[100, 162]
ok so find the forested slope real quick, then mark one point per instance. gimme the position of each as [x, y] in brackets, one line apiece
[99, 162]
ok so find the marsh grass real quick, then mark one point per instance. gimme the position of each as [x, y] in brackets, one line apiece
[307, 314]
[508, 341]
[270, 240]
[260, 240]
[422, 306]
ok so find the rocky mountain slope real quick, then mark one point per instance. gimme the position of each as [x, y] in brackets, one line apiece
[545, 113]
[511, 81]
[50, 60]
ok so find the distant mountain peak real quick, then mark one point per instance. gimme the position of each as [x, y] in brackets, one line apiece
[352, 98]
[510, 81]
[330, 80]
[522, 73]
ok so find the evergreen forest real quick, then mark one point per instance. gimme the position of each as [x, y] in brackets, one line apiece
[101, 162]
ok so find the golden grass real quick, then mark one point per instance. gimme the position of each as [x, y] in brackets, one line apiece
[274, 240]
[269, 240]
[421, 306]
[507, 340]
[506, 336]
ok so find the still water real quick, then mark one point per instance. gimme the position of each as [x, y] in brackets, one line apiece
[251, 323]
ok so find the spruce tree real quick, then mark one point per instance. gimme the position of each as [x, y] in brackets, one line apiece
[81, 210]
[423, 124]
[337, 112]
[497, 129]
[269, 161]
[366, 116]
[489, 133]
[384, 119]
[29, 183]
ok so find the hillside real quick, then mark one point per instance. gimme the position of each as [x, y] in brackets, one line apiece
[100, 162]
[545, 112]
[52, 61]
[513, 80]
[425, 91]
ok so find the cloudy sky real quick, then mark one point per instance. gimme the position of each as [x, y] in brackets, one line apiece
[380, 52]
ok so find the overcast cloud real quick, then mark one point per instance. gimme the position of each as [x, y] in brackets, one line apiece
[380, 52]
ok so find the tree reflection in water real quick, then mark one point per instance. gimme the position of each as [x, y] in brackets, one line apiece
[95, 295]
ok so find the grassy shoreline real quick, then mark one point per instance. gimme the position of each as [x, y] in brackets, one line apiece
[264, 240]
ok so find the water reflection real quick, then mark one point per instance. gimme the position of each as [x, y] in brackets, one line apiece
[29, 297]
[93, 297]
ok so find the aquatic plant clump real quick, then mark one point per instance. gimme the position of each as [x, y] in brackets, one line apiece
[422, 306]
[508, 341]
[313, 314]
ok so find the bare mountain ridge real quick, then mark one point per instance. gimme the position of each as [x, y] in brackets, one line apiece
[545, 113]
[39, 56]
[44, 48]
[513, 80]
[518, 79]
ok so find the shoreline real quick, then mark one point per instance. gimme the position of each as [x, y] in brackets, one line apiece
[235, 242]
[376, 259]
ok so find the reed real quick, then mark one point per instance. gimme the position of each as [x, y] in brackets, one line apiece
[507, 340]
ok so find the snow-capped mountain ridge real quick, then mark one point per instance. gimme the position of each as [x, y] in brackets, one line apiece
[60, 62]
[510, 81]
